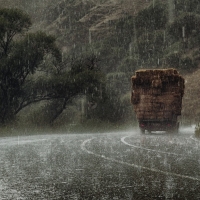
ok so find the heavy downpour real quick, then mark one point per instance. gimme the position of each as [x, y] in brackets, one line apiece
[99, 99]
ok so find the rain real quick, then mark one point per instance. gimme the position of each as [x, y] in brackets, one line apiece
[99, 99]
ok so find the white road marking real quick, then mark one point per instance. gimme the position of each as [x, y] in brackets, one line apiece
[83, 147]
[138, 147]
[20, 142]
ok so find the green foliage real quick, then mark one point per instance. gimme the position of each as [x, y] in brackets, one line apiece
[138, 41]
[173, 60]
[42, 115]
[187, 6]
[184, 25]
[187, 64]
[146, 40]
[110, 107]
[129, 65]
[150, 47]
[183, 63]
[28, 53]
[12, 22]
[125, 26]
[23, 59]
[23, 79]
[151, 18]
[83, 78]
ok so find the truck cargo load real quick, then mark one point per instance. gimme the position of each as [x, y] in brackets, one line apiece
[157, 99]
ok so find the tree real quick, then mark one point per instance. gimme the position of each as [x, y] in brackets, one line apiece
[12, 22]
[23, 77]
[19, 59]
[26, 59]
[83, 78]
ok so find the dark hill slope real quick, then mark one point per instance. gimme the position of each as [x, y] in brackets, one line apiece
[81, 22]
[71, 21]
[78, 22]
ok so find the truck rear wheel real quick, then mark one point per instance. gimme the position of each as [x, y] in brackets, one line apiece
[142, 131]
[175, 129]
[149, 131]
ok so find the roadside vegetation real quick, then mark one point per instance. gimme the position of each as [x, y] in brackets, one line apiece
[32, 70]
[43, 86]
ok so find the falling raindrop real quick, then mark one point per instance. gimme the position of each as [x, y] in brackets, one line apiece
[90, 36]
[6, 36]
[164, 36]
[69, 22]
[171, 7]
[183, 32]
[130, 50]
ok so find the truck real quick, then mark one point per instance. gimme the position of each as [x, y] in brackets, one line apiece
[157, 99]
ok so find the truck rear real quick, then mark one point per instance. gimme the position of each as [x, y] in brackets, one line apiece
[157, 99]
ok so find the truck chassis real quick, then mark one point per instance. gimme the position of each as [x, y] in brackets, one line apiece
[151, 126]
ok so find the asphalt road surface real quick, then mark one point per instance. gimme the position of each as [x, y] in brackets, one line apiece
[118, 165]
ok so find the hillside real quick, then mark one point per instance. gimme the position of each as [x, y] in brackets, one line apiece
[75, 19]
[101, 15]
[125, 35]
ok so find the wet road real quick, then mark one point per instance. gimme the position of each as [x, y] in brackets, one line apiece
[124, 165]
